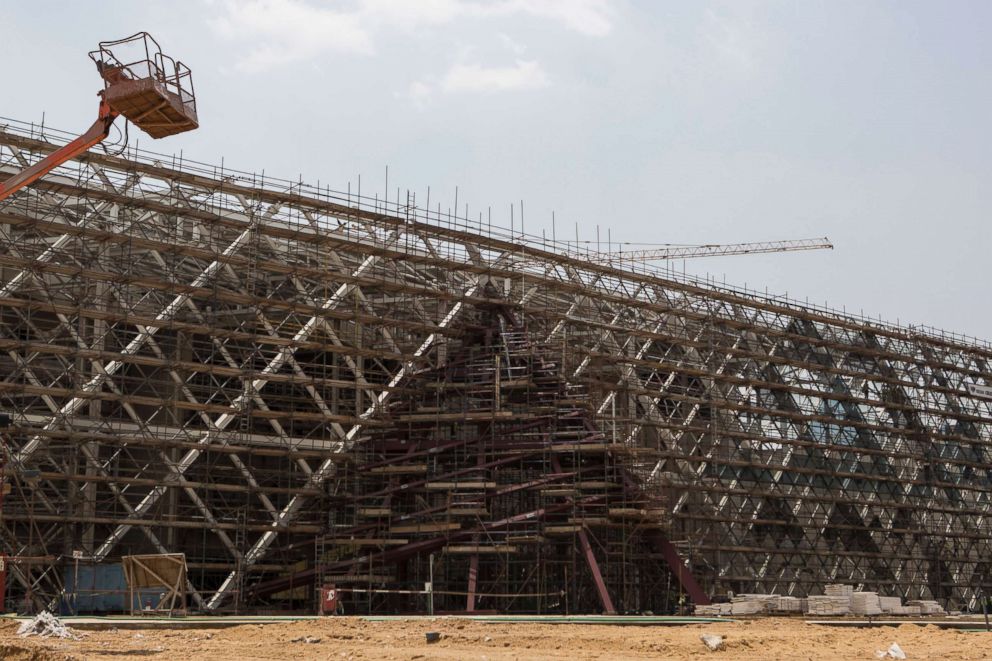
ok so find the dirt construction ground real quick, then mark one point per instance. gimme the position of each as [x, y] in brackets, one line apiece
[348, 638]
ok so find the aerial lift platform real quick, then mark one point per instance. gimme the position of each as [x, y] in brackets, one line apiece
[150, 89]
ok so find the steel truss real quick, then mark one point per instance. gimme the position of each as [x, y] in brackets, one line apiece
[209, 362]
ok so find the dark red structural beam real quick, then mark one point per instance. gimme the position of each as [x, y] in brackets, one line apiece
[678, 568]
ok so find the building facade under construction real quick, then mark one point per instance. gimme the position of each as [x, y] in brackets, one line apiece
[296, 387]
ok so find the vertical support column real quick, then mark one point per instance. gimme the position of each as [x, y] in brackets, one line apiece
[98, 330]
[473, 579]
[5, 421]
[359, 368]
[184, 353]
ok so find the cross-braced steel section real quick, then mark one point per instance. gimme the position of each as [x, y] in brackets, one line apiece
[287, 384]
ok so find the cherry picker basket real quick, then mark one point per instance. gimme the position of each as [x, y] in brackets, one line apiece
[150, 89]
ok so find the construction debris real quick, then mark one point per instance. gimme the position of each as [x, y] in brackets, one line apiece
[46, 625]
[712, 641]
[894, 652]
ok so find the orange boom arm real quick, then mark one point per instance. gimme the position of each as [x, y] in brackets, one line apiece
[96, 134]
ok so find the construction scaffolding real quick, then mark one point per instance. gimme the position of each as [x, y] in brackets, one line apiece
[296, 387]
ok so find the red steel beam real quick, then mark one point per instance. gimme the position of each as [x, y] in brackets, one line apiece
[679, 569]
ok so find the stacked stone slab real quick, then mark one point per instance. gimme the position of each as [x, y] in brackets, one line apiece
[839, 600]
[894, 606]
[787, 605]
[713, 610]
[751, 604]
[828, 605]
[838, 590]
[865, 603]
[906, 610]
[927, 607]
[890, 604]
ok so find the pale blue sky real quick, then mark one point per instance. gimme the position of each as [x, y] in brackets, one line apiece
[664, 121]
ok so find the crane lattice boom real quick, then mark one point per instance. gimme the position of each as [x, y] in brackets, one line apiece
[708, 250]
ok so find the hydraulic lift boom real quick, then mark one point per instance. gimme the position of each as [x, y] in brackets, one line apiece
[93, 136]
[153, 91]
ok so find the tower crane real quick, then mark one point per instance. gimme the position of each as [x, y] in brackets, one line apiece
[617, 258]
[151, 90]
[611, 258]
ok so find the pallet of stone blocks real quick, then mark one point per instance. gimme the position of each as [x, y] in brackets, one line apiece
[905, 610]
[785, 604]
[838, 590]
[838, 600]
[828, 605]
[750, 604]
[753, 604]
[890, 604]
[713, 610]
[927, 606]
[866, 603]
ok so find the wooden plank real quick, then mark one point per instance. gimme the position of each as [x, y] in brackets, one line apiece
[580, 447]
[476, 548]
[638, 513]
[398, 469]
[454, 417]
[374, 511]
[426, 527]
[590, 521]
[461, 485]
[559, 492]
[516, 383]
[527, 539]
[368, 541]
[359, 578]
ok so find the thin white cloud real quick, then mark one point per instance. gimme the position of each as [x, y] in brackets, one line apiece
[523, 75]
[409, 14]
[589, 17]
[477, 79]
[280, 32]
[511, 45]
[287, 31]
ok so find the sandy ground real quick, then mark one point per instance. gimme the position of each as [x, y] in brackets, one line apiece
[352, 638]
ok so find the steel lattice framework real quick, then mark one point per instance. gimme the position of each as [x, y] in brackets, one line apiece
[205, 361]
